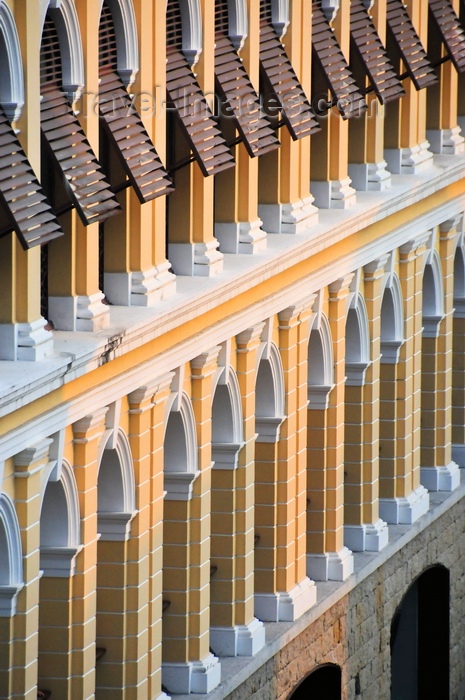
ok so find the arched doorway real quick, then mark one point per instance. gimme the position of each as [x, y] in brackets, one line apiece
[323, 683]
[420, 639]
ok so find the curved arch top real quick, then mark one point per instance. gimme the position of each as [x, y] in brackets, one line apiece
[320, 363]
[124, 19]
[280, 15]
[191, 18]
[433, 296]
[269, 395]
[11, 66]
[116, 489]
[392, 321]
[180, 448]
[238, 22]
[227, 432]
[11, 569]
[64, 15]
[357, 341]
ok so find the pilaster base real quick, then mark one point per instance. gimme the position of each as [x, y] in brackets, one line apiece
[294, 217]
[139, 288]
[246, 237]
[408, 161]
[371, 537]
[458, 455]
[333, 194]
[405, 510]
[25, 341]
[373, 177]
[440, 478]
[331, 566]
[446, 141]
[240, 640]
[286, 607]
[192, 676]
[82, 313]
[196, 259]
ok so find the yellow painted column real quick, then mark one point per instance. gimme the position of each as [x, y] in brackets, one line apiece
[338, 294]
[88, 433]
[330, 181]
[438, 471]
[29, 465]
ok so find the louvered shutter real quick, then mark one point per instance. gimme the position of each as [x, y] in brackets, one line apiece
[24, 206]
[282, 82]
[367, 44]
[186, 99]
[66, 141]
[236, 90]
[123, 125]
[450, 30]
[328, 55]
[402, 36]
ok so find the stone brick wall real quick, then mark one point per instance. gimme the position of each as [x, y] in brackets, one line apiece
[355, 632]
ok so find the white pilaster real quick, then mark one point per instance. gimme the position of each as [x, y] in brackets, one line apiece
[373, 177]
[292, 218]
[139, 288]
[371, 537]
[246, 237]
[446, 141]
[240, 640]
[405, 511]
[192, 676]
[81, 313]
[458, 455]
[286, 607]
[440, 478]
[196, 259]
[331, 566]
[333, 194]
[408, 161]
[25, 341]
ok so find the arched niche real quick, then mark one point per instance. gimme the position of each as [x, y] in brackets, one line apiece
[323, 683]
[11, 66]
[191, 18]
[433, 296]
[392, 321]
[269, 395]
[59, 525]
[357, 342]
[116, 489]
[420, 638]
[459, 279]
[227, 433]
[238, 22]
[122, 12]
[180, 460]
[64, 16]
[320, 364]
[11, 567]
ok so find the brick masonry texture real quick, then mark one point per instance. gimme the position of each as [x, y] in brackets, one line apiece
[355, 632]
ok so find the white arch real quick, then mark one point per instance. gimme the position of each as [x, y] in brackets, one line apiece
[227, 432]
[180, 453]
[124, 19]
[433, 296]
[357, 341]
[280, 15]
[459, 277]
[11, 66]
[320, 363]
[191, 18]
[238, 22]
[64, 15]
[116, 489]
[392, 321]
[60, 525]
[11, 561]
[269, 396]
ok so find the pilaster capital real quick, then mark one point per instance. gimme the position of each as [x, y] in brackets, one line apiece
[89, 422]
[34, 454]
[451, 227]
[412, 249]
[250, 338]
[205, 361]
[296, 313]
[374, 270]
[147, 393]
[339, 289]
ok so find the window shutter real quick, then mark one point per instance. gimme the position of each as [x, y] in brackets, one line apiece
[450, 30]
[123, 125]
[25, 208]
[403, 36]
[367, 44]
[222, 16]
[328, 55]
